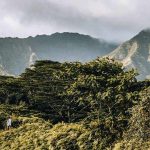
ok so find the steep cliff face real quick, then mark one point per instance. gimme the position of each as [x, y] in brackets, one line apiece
[17, 54]
[135, 53]
[3, 72]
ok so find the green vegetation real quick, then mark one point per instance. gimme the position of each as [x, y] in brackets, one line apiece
[74, 106]
[138, 134]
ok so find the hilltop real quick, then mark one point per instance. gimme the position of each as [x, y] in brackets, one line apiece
[75, 106]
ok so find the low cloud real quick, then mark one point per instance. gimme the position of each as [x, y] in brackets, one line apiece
[115, 20]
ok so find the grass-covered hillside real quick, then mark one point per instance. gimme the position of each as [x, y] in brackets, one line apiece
[74, 106]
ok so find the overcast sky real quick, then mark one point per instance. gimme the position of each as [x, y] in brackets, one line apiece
[114, 20]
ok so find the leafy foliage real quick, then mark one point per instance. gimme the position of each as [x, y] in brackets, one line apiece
[138, 134]
[93, 100]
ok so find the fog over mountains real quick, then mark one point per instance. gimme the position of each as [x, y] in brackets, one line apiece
[135, 53]
[16, 54]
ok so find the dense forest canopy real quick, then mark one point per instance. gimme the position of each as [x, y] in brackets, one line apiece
[94, 105]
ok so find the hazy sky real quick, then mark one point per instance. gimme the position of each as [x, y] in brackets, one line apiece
[115, 20]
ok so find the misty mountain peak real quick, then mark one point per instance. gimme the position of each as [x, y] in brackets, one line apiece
[135, 53]
[143, 36]
[19, 53]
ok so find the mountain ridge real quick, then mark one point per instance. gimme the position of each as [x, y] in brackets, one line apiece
[15, 53]
[135, 53]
